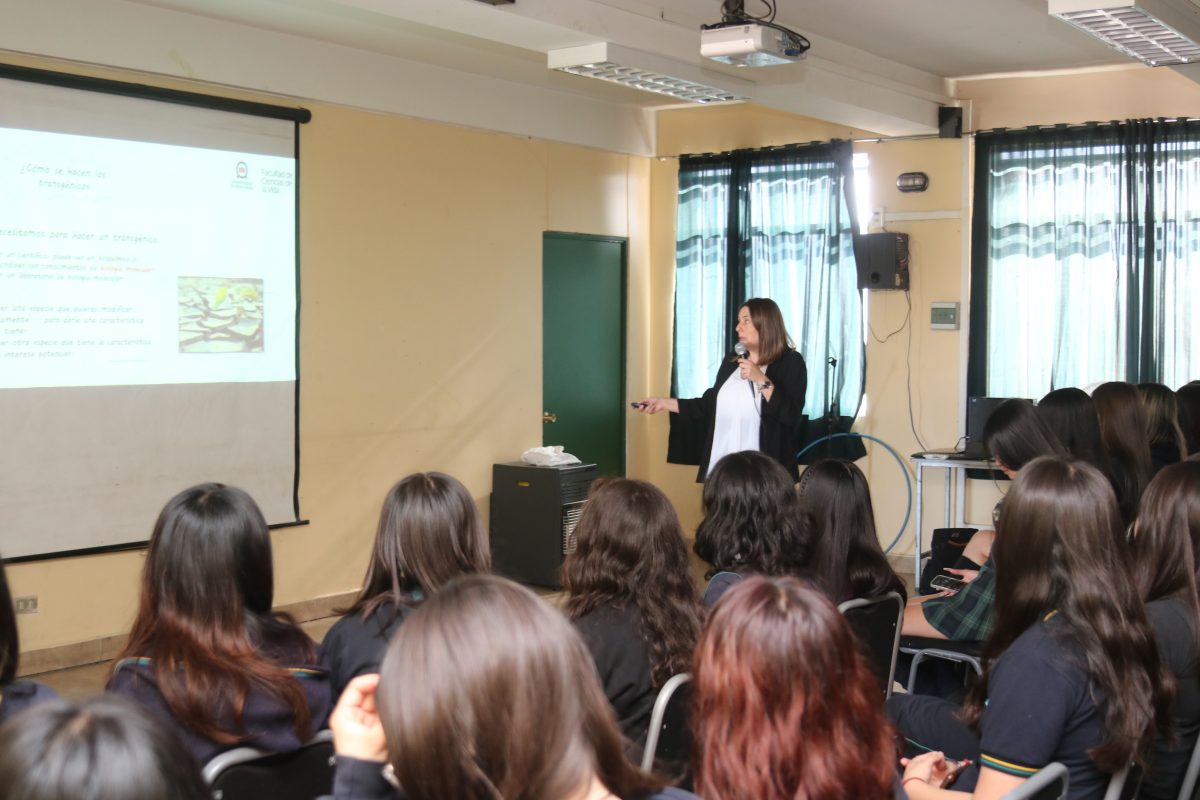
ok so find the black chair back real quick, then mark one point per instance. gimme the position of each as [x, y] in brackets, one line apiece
[877, 621]
[250, 774]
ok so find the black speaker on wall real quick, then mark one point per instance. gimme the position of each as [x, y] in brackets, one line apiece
[882, 260]
[949, 122]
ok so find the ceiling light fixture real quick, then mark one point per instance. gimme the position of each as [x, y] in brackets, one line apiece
[632, 68]
[1152, 31]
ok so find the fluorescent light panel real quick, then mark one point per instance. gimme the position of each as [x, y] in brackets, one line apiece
[614, 64]
[1136, 33]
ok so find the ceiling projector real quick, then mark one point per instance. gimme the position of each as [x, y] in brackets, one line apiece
[751, 45]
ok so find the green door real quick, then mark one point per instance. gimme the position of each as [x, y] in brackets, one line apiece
[583, 348]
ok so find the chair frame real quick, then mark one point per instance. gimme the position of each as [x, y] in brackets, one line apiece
[656, 716]
[1044, 778]
[919, 654]
[1188, 787]
[890, 597]
[242, 755]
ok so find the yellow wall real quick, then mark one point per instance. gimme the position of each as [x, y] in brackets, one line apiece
[1131, 92]
[421, 253]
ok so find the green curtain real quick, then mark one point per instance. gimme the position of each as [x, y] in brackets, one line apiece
[775, 223]
[1085, 257]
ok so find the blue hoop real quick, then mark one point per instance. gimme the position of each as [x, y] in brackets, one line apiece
[895, 455]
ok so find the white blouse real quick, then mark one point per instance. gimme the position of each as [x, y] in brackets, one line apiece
[739, 418]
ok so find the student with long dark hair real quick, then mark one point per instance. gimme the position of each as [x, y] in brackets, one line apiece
[756, 402]
[1123, 428]
[15, 695]
[1014, 435]
[1071, 672]
[206, 653]
[1071, 414]
[631, 597]
[846, 560]
[429, 533]
[750, 523]
[785, 706]
[1187, 397]
[1167, 442]
[1166, 561]
[486, 692]
[102, 748]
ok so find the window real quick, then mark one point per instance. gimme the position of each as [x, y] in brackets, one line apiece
[1085, 257]
[777, 224]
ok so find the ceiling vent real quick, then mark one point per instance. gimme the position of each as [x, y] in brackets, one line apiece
[1161, 33]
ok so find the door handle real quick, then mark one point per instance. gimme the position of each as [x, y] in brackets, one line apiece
[548, 417]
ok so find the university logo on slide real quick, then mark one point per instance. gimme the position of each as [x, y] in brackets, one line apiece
[242, 169]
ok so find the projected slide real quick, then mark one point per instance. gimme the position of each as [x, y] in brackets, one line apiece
[131, 263]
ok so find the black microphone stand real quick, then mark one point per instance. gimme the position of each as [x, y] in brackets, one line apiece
[831, 405]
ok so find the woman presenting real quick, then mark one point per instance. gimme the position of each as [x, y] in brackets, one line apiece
[756, 403]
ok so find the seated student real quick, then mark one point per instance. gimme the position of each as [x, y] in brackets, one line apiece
[1187, 397]
[1167, 443]
[1071, 414]
[1014, 435]
[784, 705]
[846, 560]
[15, 695]
[429, 533]
[1123, 429]
[101, 747]
[1072, 672]
[750, 523]
[1166, 561]
[631, 597]
[206, 654]
[485, 692]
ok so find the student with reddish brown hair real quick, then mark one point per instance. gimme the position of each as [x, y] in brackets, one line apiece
[206, 653]
[785, 706]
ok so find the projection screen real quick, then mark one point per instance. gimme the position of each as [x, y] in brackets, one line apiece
[148, 312]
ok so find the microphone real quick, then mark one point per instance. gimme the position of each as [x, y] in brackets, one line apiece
[742, 352]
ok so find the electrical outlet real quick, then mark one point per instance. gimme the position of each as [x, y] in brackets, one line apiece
[27, 604]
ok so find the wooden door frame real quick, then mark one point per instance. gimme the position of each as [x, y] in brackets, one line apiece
[623, 241]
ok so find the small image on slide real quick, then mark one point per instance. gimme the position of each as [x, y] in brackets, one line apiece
[220, 315]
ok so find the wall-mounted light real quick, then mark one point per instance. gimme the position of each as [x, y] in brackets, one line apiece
[912, 182]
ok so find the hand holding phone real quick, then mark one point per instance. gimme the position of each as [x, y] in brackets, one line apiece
[946, 583]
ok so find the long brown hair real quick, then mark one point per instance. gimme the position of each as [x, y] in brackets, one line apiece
[1166, 541]
[205, 613]
[631, 550]
[768, 725]
[429, 533]
[487, 692]
[1162, 416]
[773, 339]
[1060, 547]
[1122, 417]
[846, 561]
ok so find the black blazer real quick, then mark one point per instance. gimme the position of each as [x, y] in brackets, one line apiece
[783, 422]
